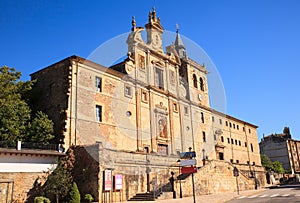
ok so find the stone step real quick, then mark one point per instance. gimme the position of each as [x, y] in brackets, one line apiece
[145, 196]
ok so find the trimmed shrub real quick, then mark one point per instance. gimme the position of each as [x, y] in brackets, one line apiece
[88, 197]
[41, 199]
[74, 195]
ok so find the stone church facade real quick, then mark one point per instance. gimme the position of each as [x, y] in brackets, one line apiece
[143, 112]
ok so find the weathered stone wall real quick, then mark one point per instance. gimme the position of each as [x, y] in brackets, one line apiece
[215, 177]
[51, 92]
[86, 172]
[23, 184]
[143, 172]
[277, 151]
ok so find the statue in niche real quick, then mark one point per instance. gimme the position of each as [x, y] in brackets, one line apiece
[162, 127]
[141, 62]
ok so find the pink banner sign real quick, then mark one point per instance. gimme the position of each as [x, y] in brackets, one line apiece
[119, 182]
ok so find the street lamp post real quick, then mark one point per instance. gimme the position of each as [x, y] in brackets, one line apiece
[203, 160]
[255, 181]
[180, 188]
[193, 182]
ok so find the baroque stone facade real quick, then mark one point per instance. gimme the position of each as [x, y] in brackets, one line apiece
[153, 103]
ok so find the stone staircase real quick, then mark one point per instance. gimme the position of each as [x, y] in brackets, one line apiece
[147, 196]
[214, 177]
[153, 195]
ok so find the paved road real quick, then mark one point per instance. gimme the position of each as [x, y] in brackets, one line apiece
[282, 194]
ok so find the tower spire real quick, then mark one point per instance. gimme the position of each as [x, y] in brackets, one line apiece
[179, 46]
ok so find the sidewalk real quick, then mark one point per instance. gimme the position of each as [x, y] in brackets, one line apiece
[214, 198]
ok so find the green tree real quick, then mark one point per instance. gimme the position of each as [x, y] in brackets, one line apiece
[59, 180]
[41, 129]
[14, 111]
[74, 195]
[278, 168]
[266, 162]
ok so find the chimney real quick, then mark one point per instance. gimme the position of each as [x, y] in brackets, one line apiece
[19, 144]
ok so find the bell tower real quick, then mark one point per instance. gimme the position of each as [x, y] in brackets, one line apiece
[154, 31]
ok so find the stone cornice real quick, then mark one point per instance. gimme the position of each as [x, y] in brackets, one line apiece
[31, 152]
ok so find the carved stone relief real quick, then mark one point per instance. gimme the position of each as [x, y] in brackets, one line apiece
[162, 126]
[141, 62]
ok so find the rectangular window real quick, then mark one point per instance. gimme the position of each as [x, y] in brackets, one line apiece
[159, 78]
[222, 139]
[128, 91]
[245, 144]
[98, 84]
[236, 142]
[220, 121]
[186, 110]
[230, 125]
[175, 107]
[234, 126]
[98, 113]
[232, 141]
[251, 147]
[221, 156]
[144, 96]
[228, 140]
[249, 130]
[237, 161]
[213, 119]
[204, 136]
[240, 143]
[237, 127]
[226, 123]
[202, 117]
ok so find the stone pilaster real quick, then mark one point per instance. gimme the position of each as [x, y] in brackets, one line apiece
[138, 120]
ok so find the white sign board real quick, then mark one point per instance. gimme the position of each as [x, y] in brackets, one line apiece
[188, 162]
[119, 181]
[107, 180]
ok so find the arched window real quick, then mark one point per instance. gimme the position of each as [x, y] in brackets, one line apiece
[195, 82]
[201, 84]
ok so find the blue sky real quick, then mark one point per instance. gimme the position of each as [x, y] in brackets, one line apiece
[255, 44]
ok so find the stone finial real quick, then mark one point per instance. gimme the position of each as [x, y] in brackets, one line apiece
[153, 9]
[133, 23]
[152, 15]
[177, 28]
